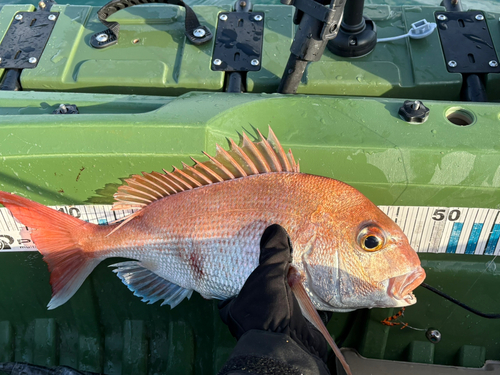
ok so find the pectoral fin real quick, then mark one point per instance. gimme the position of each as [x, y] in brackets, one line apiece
[311, 314]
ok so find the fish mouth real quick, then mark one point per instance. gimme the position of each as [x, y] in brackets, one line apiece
[401, 287]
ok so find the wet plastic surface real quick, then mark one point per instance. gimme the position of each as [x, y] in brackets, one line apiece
[153, 56]
[83, 158]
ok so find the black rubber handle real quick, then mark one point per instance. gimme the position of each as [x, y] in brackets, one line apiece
[196, 33]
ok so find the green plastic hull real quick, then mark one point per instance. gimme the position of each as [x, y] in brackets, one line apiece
[152, 104]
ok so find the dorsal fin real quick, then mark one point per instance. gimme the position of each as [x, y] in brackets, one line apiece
[262, 156]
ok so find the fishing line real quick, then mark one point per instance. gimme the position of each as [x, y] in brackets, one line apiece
[461, 304]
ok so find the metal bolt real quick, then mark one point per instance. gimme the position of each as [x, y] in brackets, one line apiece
[102, 37]
[479, 17]
[493, 63]
[442, 17]
[52, 17]
[19, 17]
[63, 108]
[41, 4]
[199, 32]
[223, 17]
[258, 17]
[433, 335]
[217, 61]
[32, 60]
[452, 63]
[255, 62]
[352, 42]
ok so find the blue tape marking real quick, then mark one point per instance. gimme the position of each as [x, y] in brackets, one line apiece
[455, 235]
[493, 240]
[102, 222]
[473, 238]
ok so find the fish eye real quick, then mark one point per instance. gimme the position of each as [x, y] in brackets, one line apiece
[371, 243]
[371, 239]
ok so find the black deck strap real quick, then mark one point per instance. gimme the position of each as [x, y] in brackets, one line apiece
[195, 32]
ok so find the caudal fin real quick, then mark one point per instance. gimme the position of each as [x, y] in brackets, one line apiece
[60, 238]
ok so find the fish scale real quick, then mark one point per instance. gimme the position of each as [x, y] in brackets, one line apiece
[225, 242]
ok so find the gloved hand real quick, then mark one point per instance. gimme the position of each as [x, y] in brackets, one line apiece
[266, 302]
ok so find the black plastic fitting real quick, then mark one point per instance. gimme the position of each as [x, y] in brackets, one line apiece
[414, 111]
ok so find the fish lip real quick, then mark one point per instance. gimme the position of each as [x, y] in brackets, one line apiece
[401, 287]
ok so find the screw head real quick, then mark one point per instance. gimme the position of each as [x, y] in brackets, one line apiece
[19, 17]
[52, 17]
[217, 61]
[32, 60]
[255, 62]
[442, 17]
[42, 4]
[352, 42]
[452, 64]
[433, 335]
[199, 32]
[223, 17]
[258, 17]
[493, 63]
[102, 37]
[479, 17]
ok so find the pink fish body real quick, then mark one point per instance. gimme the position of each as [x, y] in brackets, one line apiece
[199, 228]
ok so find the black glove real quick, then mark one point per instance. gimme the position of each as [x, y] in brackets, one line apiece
[266, 303]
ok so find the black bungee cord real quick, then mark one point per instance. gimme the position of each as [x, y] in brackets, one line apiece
[457, 302]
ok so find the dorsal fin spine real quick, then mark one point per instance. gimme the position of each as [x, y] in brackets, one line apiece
[157, 182]
[292, 160]
[168, 183]
[248, 144]
[130, 188]
[275, 144]
[174, 175]
[139, 181]
[187, 177]
[161, 179]
[197, 173]
[230, 159]
[208, 170]
[220, 166]
[244, 156]
[250, 158]
[171, 179]
[276, 167]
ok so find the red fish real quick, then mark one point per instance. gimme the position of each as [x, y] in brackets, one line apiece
[198, 229]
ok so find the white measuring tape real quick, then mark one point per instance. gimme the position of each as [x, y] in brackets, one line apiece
[455, 230]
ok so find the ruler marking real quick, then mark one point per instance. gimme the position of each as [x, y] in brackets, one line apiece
[454, 237]
[493, 237]
[493, 240]
[406, 211]
[464, 218]
[470, 241]
[474, 238]
[454, 230]
[423, 232]
[488, 220]
[483, 218]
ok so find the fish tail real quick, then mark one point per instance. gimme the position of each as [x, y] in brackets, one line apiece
[61, 239]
